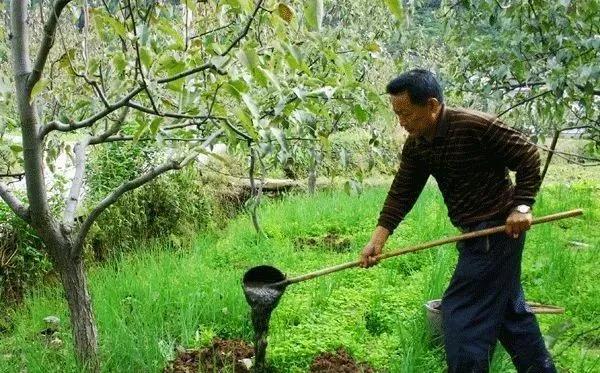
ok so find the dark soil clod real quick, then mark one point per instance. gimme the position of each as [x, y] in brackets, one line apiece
[338, 362]
[222, 356]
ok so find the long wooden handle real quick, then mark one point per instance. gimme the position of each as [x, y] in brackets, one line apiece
[427, 245]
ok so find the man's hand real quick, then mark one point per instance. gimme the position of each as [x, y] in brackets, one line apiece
[517, 223]
[370, 253]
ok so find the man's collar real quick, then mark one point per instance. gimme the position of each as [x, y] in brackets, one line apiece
[441, 127]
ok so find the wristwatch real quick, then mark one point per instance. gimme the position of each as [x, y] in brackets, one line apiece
[523, 209]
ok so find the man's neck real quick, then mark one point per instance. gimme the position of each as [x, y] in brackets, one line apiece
[432, 129]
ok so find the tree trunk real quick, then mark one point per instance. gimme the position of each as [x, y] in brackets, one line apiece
[85, 334]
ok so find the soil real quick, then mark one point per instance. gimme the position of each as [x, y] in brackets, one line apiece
[222, 356]
[338, 362]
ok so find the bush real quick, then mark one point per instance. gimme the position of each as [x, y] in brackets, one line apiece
[172, 207]
[22, 260]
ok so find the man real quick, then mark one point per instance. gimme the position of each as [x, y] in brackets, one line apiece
[469, 154]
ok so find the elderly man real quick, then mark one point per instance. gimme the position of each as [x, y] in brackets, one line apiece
[469, 154]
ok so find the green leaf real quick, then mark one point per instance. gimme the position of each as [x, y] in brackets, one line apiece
[324, 92]
[280, 137]
[156, 122]
[146, 57]
[251, 105]
[395, 6]
[221, 62]
[248, 58]
[272, 78]
[313, 15]
[15, 148]
[247, 123]
[38, 88]
[103, 20]
[360, 113]
[119, 62]
[141, 128]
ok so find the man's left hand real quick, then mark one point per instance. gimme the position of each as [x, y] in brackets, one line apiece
[517, 223]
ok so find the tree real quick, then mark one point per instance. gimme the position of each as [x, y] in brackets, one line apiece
[254, 73]
[533, 55]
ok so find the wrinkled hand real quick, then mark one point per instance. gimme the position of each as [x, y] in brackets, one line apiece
[517, 223]
[370, 254]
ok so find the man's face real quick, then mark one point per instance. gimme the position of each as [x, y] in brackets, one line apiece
[415, 119]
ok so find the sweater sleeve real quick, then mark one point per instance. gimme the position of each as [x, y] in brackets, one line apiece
[406, 188]
[512, 149]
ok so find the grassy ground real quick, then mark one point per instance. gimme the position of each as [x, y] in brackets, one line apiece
[148, 304]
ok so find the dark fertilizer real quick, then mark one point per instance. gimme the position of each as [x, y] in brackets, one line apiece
[262, 297]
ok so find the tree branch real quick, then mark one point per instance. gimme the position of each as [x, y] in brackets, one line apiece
[77, 182]
[46, 44]
[18, 208]
[211, 31]
[524, 102]
[246, 28]
[209, 65]
[19, 175]
[206, 66]
[80, 151]
[66, 127]
[137, 106]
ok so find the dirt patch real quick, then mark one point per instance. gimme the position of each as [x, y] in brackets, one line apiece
[222, 356]
[331, 241]
[340, 361]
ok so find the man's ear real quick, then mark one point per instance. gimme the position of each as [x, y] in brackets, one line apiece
[433, 103]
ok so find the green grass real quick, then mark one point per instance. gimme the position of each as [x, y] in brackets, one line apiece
[148, 304]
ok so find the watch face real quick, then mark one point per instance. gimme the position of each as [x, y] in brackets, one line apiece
[523, 209]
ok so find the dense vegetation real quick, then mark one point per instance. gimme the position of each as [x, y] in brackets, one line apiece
[150, 303]
[99, 98]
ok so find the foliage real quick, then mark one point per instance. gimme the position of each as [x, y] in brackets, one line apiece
[172, 207]
[22, 261]
[151, 303]
[541, 54]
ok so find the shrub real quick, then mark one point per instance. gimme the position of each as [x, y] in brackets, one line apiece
[22, 260]
[172, 207]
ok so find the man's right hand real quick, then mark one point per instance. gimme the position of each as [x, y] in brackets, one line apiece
[370, 253]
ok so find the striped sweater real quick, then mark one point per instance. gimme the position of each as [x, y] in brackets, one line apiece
[470, 157]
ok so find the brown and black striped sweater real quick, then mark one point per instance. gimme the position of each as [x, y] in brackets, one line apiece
[470, 157]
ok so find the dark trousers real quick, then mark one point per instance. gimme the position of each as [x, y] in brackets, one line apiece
[485, 303]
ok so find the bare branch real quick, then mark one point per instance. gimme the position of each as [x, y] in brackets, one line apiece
[137, 106]
[14, 204]
[246, 28]
[77, 183]
[206, 66]
[132, 138]
[66, 127]
[136, 46]
[211, 31]
[95, 87]
[529, 99]
[19, 175]
[46, 44]
[80, 159]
